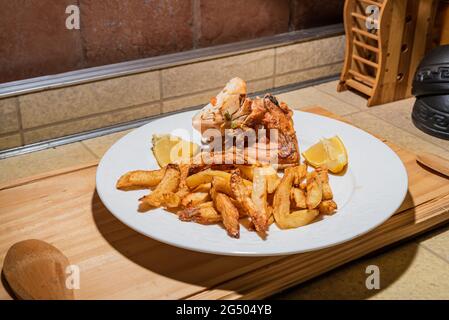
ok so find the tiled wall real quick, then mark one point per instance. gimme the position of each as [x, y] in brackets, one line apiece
[35, 42]
[59, 112]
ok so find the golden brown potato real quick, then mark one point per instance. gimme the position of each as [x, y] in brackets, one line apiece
[314, 194]
[140, 179]
[195, 198]
[281, 200]
[229, 214]
[205, 187]
[240, 193]
[246, 171]
[259, 190]
[299, 198]
[299, 218]
[183, 189]
[171, 200]
[323, 177]
[327, 207]
[200, 214]
[206, 176]
[300, 174]
[169, 183]
[222, 185]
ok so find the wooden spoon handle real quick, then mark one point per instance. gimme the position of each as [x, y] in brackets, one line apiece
[434, 162]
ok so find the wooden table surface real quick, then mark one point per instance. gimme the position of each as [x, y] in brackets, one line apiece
[116, 262]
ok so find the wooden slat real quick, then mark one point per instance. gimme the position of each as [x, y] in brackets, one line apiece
[365, 33]
[365, 61]
[367, 79]
[117, 262]
[366, 46]
[371, 2]
[359, 87]
[362, 17]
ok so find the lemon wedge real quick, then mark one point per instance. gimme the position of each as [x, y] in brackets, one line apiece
[330, 152]
[172, 149]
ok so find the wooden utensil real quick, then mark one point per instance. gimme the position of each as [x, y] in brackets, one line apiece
[437, 163]
[35, 270]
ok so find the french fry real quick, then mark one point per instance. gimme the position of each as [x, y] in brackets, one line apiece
[241, 195]
[229, 214]
[314, 193]
[205, 187]
[299, 198]
[281, 200]
[323, 177]
[299, 218]
[246, 171]
[300, 174]
[183, 189]
[171, 200]
[140, 179]
[222, 185]
[259, 190]
[195, 198]
[327, 207]
[169, 183]
[206, 176]
[200, 214]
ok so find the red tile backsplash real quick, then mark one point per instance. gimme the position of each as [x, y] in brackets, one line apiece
[34, 40]
[230, 21]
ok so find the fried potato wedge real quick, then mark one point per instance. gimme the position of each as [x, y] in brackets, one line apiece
[299, 198]
[327, 207]
[229, 214]
[299, 218]
[222, 185]
[195, 198]
[200, 214]
[183, 189]
[171, 200]
[205, 187]
[241, 195]
[246, 171]
[168, 184]
[281, 200]
[323, 177]
[206, 176]
[300, 174]
[259, 190]
[140, 179]
[314, 194]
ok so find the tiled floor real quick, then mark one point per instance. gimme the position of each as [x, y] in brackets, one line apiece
[418, 269]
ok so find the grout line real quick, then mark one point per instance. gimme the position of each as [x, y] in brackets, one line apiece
[89, 149]
[161, 92]
[274, 67]
[19, 119]
[196, 23]
[433, 252]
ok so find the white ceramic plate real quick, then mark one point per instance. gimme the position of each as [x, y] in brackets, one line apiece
[370, 191]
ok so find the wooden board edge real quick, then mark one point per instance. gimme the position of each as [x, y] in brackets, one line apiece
[270, 284]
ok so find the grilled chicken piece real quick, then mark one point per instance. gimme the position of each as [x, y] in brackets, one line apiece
[232, 115]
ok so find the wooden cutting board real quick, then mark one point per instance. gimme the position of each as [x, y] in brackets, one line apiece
[116, 262]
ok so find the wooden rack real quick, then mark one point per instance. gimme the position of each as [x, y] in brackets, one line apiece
[381, 60]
